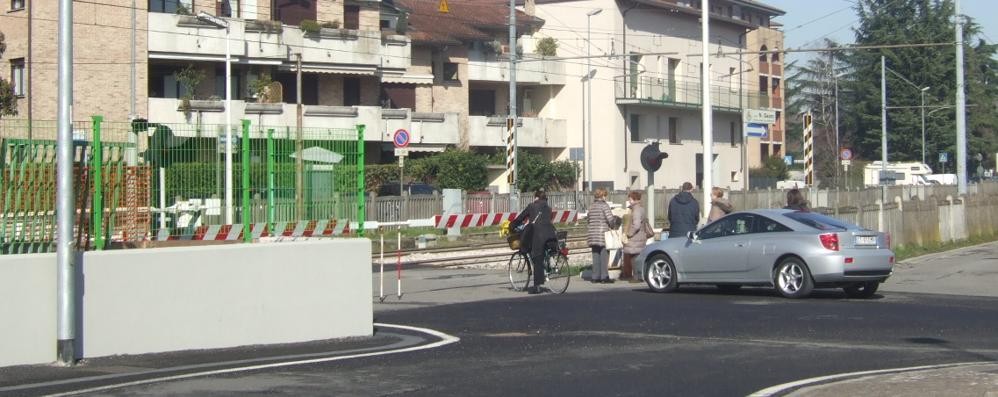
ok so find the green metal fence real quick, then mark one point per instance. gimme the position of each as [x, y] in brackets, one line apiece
[278, 175]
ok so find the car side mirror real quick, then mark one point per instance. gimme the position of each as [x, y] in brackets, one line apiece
[693, 236]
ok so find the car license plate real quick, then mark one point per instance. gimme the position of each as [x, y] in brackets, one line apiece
[866, 240]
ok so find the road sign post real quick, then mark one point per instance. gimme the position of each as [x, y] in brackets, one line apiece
[401, 141]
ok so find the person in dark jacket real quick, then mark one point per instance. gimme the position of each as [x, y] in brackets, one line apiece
[796, 200]
[541, 234]
[684, 212]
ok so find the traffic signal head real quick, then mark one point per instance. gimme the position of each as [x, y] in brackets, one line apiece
[651, 157]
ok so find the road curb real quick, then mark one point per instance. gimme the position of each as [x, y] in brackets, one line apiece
[786, 388]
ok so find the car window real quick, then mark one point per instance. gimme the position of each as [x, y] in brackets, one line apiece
[728, 226]
[820, 222]
[420, 189]
[766, 225]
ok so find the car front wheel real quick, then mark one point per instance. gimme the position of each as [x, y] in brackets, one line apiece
[660, 274]
[862, 290]
[793, 279]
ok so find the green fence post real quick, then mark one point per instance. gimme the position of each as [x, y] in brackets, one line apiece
[246, 182]
[97, 168]
[361, 199]
[271, 155]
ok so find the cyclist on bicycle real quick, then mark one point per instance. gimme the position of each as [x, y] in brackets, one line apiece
[537, 235]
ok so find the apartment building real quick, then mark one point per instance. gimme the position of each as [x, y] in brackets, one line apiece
[646, 85]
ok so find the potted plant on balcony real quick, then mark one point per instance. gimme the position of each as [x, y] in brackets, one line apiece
[547, 47]
[267, 94]
[264, 26]
[310, 27]
[189, 78]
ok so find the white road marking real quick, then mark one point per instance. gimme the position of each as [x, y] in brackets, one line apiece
[445, 339]
[791, 386]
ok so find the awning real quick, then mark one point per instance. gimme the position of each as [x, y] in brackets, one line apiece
[407, 78]
[362, 70]
[418, 147]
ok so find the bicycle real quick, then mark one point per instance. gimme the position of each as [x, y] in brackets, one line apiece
[558, 273]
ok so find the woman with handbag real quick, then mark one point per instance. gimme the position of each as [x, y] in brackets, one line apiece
[600, 219]
[637, 234]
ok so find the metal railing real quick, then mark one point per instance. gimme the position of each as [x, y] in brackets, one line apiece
[684, 93]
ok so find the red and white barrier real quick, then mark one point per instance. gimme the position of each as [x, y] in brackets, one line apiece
[495, 218]
[325, 228]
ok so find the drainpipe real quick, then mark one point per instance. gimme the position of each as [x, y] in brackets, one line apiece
[626, 63]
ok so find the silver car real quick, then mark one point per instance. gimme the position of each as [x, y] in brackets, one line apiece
[793, 251]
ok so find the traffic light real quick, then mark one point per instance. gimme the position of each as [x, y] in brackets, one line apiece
[651, 157]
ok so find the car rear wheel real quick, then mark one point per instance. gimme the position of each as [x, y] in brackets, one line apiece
[862, 290]
[660, 274]
[793, 279]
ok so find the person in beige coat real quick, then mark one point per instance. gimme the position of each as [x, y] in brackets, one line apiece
[638, 232]
[719, 206]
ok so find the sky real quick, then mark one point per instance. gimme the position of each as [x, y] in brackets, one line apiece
[807, 22]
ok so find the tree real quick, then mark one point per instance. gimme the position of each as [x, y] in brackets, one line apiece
[547, 46]
[535, 173]
[913, 22]
[8, 101]
[811, 88]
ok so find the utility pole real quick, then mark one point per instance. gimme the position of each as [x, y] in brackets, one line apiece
[708, 134]
[131, 154]
[961, 107]
[514, 194]
[299, 145]
[883, 127]
[65, 249]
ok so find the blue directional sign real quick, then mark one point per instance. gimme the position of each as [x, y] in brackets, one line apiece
[756, 130]
[401, 138]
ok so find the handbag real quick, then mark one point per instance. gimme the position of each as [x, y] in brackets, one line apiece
[649, 231]
[612, 240]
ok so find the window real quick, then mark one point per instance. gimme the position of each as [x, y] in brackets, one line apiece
[17, 77]
[165, 6]
[762, 54]
[450, 72]
[766, 225]
[674, 130]
[763, 151]
[351, 17]
[763, 85]
[635, 127]
[734, 134]
[16, 5]
[776, 86]
[728, 226]
[351, 91]
[819, 222]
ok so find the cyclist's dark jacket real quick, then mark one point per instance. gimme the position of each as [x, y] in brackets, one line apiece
[542, 230]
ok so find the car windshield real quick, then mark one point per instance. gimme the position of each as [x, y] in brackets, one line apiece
[818, 221]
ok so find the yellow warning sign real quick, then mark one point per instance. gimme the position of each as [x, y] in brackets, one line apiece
[443, 7]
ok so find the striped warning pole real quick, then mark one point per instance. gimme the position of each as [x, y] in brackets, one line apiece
[808, 150]
[510, 153]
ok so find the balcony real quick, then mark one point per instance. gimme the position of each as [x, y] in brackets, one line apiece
[425, 128]
[532, 132]
[655, 91]
[350, 51]
[483, 66]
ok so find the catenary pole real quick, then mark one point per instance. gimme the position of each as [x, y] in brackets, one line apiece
[708, 135]
[961, 107]
[65, 249]
[514, 194]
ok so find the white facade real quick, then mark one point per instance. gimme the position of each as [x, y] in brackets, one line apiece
[662, 104]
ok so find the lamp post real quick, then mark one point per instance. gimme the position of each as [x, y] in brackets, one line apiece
[923, 122]
[589, 99]
[222, 23]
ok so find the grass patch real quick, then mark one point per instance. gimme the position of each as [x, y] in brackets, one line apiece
[910, 251]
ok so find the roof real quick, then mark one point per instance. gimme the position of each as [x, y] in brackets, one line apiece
[758, 5]
[468, 20]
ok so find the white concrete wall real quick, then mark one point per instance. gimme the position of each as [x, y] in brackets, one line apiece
[27, 309]
[156, 300]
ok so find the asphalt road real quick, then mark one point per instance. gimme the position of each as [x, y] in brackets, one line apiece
[606, 340]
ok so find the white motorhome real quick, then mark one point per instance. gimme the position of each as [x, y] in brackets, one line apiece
[903, 173]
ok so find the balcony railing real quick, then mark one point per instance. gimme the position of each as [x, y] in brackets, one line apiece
[536, 132]
[684, 94]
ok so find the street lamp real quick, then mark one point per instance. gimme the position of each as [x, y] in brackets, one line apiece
[222, 23]
[589, 100]
[923, 122]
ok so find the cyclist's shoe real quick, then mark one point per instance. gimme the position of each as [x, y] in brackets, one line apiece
[534, 290]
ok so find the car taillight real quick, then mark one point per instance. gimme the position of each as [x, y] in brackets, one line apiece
[830, 241]
[887, 237]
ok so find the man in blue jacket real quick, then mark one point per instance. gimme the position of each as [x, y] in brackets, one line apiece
[684, 212]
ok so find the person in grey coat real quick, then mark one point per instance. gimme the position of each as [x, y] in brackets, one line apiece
[684, 212]
[637, 235]
[599, 217]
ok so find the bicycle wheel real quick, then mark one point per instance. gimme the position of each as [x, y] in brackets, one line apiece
[519, 272]
[559, 273]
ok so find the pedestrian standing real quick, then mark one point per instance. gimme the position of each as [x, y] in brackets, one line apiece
[637, 233]
[684, 212]
[719, 206]
[599, 218]
[796, 201]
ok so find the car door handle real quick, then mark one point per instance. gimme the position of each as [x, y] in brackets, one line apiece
[740, 245]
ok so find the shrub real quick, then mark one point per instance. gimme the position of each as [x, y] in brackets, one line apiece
[309, 26]
[547, 46]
